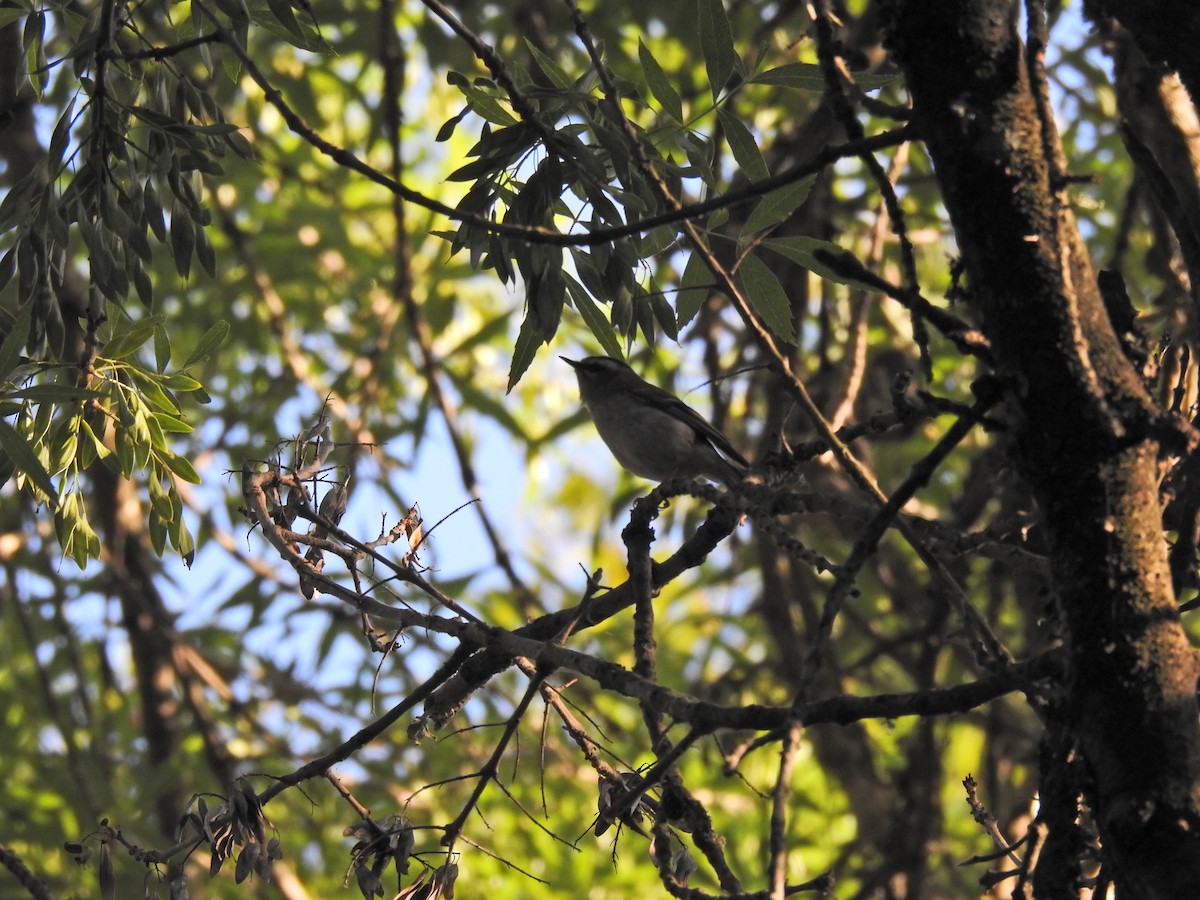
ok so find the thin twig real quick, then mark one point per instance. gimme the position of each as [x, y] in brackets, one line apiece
[488, 773]
[777, 867]
[161, 53]
[487, 54]
[990, 648]
[834, 72]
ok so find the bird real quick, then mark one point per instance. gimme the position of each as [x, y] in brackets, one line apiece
[651, 432]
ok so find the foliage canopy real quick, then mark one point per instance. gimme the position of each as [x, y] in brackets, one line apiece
[279, 286]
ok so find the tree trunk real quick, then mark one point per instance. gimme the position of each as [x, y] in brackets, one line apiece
[1086, 433]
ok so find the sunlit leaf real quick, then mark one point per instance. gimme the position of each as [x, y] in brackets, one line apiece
[209, 343]
[180, 467]
[129, 340]
[23, 458]
[53, 393]
[661, 87]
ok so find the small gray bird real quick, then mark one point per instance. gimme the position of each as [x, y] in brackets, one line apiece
[651, 432]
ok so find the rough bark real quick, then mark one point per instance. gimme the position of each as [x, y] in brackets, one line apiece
[1167, 31]
[1083, 435]
[1162, 132]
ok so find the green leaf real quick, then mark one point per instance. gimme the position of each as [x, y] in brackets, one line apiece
[158, 440]
[152, 213]
[806, 76]
[17, 449]
[285, 16]
[622, 311]
[235, 9]
[182, 541]
[43, 417]
[488, 108]
[550, 68]
[477, 168]
[160, 501]
[694, 288]
[768, 297]
[216, 129]
[643, 314]
[130, 340]
[162, 350]
[16, 203]
[183, 240]
[869, 81]
[178, 465]
[205, 253]
[588, 271]
[716, 43]
[447, 129]
[805, 251]
[700, 154]
[778, 205]
[596, 321]
[171, 424]
[14, 341]
[53, 393]
[528, 341]
[65, 515]
[8, 266]
[158, 532]
[660, 85]
[35, 55]
[664, 315]
[60, 137]
[88, 545]
[181, 382]
[140, 435]
[238, 142]
[209, 343]
[152, 390]
[74, 533]
[744, 146]
[63, 446]
[656, 241]
[144, 287]
[124, 448]
[97, 446]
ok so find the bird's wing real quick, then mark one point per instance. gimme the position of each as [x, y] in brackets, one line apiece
[684, 413]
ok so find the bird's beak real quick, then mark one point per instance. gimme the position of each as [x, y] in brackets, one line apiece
[570, 362]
